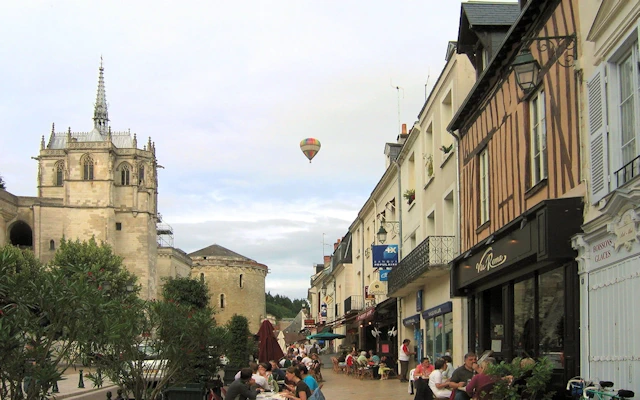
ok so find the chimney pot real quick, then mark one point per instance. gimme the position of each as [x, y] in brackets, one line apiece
[327, 260]
[404, 129]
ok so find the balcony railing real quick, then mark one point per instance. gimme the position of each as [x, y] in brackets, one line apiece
[353, 303]
[434, 250]
[628, 172]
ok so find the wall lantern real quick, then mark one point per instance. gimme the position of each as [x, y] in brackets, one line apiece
[561, 50]
[527, 70]
[382, 234]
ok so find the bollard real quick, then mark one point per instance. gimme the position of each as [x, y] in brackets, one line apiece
[99, 380]
[55, 387]
[109, 395]
[81, 381]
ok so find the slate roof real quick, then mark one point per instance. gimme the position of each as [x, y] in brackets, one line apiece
[216, 250]
[488, 14]
[121, 140]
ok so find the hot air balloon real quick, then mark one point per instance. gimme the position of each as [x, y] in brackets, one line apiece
[310, 147]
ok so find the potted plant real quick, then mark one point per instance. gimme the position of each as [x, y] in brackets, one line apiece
[446, 149]
[410, 195]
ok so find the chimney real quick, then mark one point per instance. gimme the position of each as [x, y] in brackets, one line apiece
[327, 260]
[403, 136]
[336, 244]
[404, 129]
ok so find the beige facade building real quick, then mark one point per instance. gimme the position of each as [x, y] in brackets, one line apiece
[609, 249]
[435, 322]
[236, 284]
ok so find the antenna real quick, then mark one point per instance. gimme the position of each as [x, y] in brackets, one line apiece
[427, 84]
[398, 88]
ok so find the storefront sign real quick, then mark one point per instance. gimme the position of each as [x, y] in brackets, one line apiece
[412, 320]
[419, 300]
[323, 312]
[385, 256]
[490, 261]
[626, 230]
[309, 323]
[377, 288]
[328, 299]
[384, 275]
[438, 310]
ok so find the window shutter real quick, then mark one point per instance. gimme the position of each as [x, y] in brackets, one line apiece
[598, 140]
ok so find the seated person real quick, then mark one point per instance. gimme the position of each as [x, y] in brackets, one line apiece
[243, 387]
[480, 385]
[439, 386]
[362, 359]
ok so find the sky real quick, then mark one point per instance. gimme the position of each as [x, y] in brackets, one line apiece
[227, 90]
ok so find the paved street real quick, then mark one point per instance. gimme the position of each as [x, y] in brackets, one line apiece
[336, 386]
[339, 386]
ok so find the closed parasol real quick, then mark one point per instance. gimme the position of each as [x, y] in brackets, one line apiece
[269, 346]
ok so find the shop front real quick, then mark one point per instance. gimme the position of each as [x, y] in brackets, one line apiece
[386, 325]
[367, 333]
[521, 285]
[439, 331]
[609, 265]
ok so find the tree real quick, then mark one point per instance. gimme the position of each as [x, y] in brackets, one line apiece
[528, 379]
[44, 317]
[2, 184]
[239, 341]
[186, 291]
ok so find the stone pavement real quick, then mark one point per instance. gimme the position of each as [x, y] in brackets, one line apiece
[340, 386]
[68, 387]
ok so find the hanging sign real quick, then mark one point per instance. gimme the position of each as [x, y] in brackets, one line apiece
[377, 288]
[385, 256]
[384, 275]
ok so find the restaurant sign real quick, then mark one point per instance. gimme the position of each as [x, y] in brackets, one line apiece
[377, 288]
[309, 323]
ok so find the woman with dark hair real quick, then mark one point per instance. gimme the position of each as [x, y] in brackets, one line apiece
[308, 378]
[439, 386]
[299, 390]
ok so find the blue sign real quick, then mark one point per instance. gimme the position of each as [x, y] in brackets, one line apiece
[384, 275]
[412, 320]
[419, 300]
[385, 256]
[439, 310]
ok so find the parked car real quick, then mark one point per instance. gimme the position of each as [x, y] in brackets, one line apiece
[153, 365]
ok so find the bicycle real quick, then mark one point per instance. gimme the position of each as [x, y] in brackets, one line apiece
[579, 388]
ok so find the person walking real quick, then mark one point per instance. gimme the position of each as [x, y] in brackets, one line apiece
[403, 357]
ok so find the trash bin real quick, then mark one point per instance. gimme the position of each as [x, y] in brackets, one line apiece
[186, 392]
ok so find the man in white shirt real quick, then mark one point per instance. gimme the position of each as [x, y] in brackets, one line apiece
[439, 386]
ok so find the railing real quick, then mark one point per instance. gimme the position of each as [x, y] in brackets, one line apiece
[628, 172]
[353, 303]
[434, 250]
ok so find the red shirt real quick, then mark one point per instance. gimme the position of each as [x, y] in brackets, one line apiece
[423, 372]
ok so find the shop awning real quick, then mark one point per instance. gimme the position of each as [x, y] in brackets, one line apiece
[366, 314]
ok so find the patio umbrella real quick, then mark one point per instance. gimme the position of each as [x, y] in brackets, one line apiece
[269, 347]
[326, 336]
[281, 341]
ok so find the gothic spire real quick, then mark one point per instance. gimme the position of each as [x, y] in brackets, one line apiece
[100, 113]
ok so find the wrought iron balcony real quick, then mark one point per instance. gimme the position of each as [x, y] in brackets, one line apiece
[433, 251]
[353, 303]
[628, 172]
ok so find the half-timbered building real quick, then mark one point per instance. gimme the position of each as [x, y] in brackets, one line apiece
[521, 196]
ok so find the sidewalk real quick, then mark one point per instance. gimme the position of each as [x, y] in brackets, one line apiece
[340, 386]
[68, 386]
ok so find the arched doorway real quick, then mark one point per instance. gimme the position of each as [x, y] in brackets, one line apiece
[21, 235]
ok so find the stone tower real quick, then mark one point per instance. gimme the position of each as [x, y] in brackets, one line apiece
[236, 284]
[99, 183]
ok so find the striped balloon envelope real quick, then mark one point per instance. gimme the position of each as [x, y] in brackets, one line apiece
[310, 147]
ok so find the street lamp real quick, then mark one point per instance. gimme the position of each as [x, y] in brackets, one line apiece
[527, 70]
[394, 226]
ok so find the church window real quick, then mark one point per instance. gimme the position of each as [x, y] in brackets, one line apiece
[141, 175]
[125, 174]
[241, 282]
[59, 173]
[118, 226]
[222, 301]
[87, 168]
[52, 245]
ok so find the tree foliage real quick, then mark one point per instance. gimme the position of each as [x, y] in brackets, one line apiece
[517, 379]
[2, 184]
[44, 317]
[186, 291]
[282, 306]
[239, 340]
